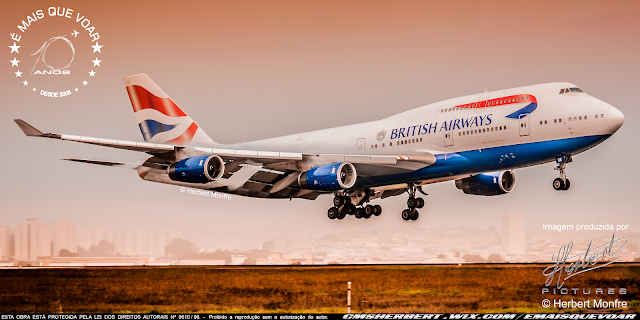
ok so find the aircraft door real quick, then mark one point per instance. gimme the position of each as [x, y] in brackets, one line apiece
[448, 138]
[360, 143]
[524, 124]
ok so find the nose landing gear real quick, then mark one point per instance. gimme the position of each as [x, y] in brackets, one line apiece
[562, 183]
[413, 203]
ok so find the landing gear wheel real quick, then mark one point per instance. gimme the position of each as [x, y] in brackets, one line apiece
[338, 201]
[377, 210]
[368, 210]
[341, 215]
[415, 215]
[406, 214]
[567, 184]
[558, 184]
[359, 213]
[411, 202]
[419, 203]
[332, 213]
[365, 214]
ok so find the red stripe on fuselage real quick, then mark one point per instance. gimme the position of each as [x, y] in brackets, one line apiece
[185, 137]
[518, 98]
[142, 99]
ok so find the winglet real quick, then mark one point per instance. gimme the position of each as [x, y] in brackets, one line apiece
[28, 129]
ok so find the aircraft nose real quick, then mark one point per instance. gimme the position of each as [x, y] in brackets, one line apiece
[615, 119]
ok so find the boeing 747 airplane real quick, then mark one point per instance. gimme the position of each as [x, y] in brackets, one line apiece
[476, 140]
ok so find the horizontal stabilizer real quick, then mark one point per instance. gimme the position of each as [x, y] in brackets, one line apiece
[105, 163]
[28, 129]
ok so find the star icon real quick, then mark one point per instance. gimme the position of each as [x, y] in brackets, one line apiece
[76, 89]
[18, 74]
[75, 33]
[14, 48]
[84, 83]
[25, 82]
[14, 62]
[95, 48]
[92, 73]
[96, 62]
[34, 89]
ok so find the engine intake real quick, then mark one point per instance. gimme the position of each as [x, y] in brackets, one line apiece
[201, 169]
[488, 184]
[329, 177]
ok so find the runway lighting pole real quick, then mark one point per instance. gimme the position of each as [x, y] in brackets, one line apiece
[349, 297]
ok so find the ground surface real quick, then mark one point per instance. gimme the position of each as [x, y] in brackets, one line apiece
[386, 289]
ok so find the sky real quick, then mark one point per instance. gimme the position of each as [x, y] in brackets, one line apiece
[248, 70]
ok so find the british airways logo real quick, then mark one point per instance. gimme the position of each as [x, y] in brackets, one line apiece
[446, 125]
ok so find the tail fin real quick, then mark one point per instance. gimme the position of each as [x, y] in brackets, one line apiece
[159, 118]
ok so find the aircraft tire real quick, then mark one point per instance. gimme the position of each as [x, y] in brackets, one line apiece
[369, 210]
[558, 184]
[332, 213]
[337, 201]
[359, 213]
[419, 203]
[377, 210]
[567, 184]
[411, 202]
[415, 215]
[406, 214]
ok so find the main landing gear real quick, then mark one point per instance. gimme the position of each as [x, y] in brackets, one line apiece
[413, 203]
[342, 206]
[562, 183]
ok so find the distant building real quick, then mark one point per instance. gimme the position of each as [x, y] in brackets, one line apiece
[92, 237]
[238, 260]
[6, 251]
[133, 242]
[513, 234]
[32, 240]
[160, 239]
[64, 237]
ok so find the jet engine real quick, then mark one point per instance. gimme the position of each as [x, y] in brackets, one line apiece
[488, 184]
[329, 177]
[201, 169]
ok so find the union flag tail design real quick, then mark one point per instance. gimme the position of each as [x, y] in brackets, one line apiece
[159, 118]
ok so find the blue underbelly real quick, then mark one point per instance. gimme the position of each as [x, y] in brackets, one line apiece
[486, 160]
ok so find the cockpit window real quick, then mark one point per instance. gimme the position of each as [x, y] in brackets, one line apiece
[567, 90]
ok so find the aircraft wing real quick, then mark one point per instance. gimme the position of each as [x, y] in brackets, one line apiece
[278, 172]
[176, 153]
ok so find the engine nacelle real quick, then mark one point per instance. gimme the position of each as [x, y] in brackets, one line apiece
[201, 169]
[329, 177]
[488, 184]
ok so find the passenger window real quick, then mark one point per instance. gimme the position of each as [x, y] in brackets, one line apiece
[459, 134]
[596, 116]
[540, 122]
[602, 115]
[560, 120]
[500, 127]
[420, 139]
[545, 122]
[579, 118]
[390, 144]
[569, 119]
[585, 117]
[505, 127]
[383, 145]
[555, 120]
